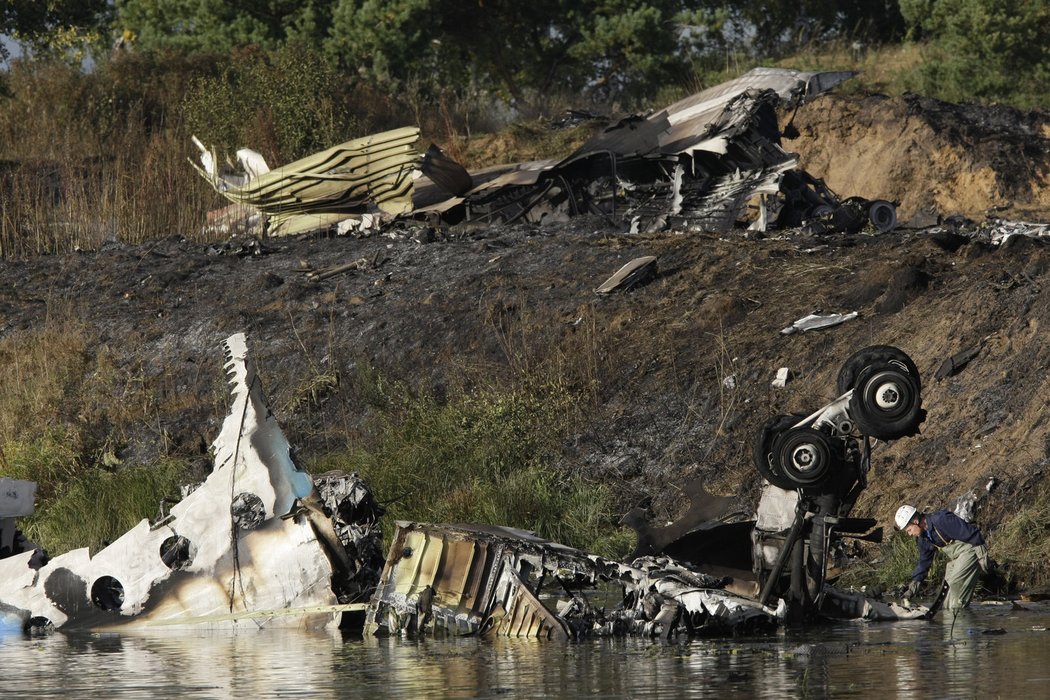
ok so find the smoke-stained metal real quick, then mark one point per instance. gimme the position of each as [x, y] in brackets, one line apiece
[249, 547]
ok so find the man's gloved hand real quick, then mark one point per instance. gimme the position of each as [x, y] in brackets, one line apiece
[913, 589]
[982, 557]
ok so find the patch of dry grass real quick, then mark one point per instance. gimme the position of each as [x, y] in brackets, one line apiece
[1022, 542]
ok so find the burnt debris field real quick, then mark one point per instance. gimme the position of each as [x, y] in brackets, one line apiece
[673, 374]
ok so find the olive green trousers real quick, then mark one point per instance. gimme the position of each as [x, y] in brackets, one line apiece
[963, 572]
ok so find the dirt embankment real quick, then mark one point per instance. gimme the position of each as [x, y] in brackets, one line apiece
[680, 368]
[932, 157]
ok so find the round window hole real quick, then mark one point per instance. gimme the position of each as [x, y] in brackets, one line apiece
[177, 552]
[107, 593]
[248, 511]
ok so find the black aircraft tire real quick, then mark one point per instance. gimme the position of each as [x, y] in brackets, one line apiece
[886, 403]
[803, 456]
[762, 449]
[864, 357]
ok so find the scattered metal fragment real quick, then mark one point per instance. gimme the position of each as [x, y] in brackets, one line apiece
[318, 275]
[446, 173]
[782, 377]
[812, 322]
[999, 231]
[955, 364]
[17, 500]
[635, 273]
[696, 165]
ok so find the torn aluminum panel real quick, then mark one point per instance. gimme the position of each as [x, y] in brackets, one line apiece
[812, 322]
[999, 231]
[634, 273]
[17, 498]
[489, 580]
[476, 574]
[353, 178]
[842, 605]
[249, 547]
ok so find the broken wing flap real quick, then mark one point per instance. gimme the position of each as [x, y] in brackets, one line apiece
[634, 273]
[705, 512]
[312, 508]
[666, 598]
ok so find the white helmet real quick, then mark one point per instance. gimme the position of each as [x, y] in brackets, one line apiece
[904, 515]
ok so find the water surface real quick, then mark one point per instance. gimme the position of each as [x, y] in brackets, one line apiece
[991, 650]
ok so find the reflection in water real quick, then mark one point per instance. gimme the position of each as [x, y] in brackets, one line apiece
[862, 660]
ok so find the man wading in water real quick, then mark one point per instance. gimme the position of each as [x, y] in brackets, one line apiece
[958, 540]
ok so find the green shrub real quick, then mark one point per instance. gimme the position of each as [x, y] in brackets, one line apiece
[50, 459]
[983, 50]
[485, 455]
[97, 506]
[284, 103]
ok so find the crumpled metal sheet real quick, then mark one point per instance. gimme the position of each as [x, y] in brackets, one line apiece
[694, 165]
[198, 566]
[633, 273]
[16, 497]
[998, 231]
[812, 322]
[473, 579]
[375, 171]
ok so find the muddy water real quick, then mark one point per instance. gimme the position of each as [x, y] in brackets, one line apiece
[991, 650]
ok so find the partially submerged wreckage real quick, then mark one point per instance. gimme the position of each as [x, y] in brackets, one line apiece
[257, 543]
[709, 162]
[261, 543]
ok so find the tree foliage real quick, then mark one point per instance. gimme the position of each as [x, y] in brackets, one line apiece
[987, 50]
[282, 102]
[775, 27]
[51, 26]
[606, 47]
[218, 25]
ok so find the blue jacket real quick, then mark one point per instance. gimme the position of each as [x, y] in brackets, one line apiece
[942, 528]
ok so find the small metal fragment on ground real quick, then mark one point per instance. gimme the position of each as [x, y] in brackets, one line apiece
[318, 275]
[783, 377]
[954, 364]
[636, 272]
[812, 322]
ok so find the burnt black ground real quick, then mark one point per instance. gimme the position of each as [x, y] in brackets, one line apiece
[679, 368]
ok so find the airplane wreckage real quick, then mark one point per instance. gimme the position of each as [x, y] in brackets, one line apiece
[259, 543]
[705, 163]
